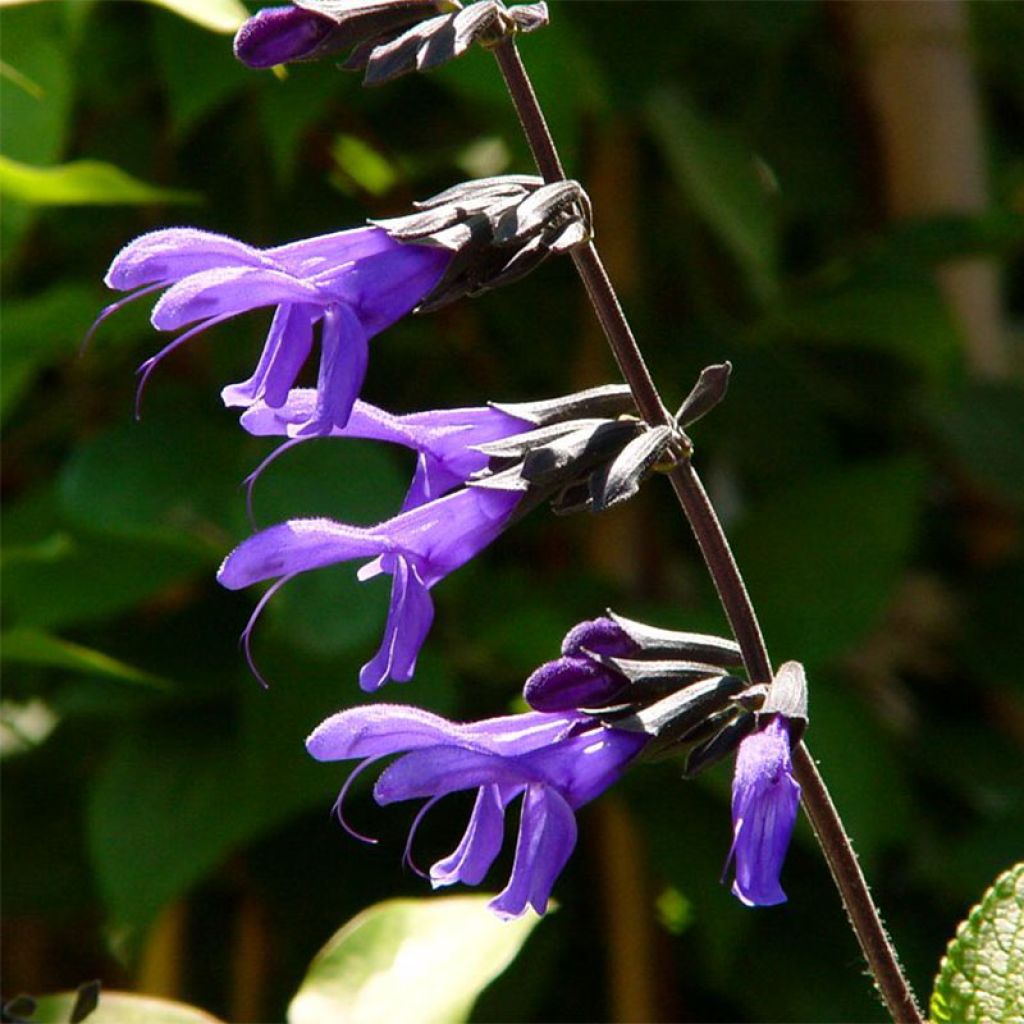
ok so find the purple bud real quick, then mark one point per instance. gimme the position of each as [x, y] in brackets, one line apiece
[278, 35]
[571, 682]
[765, 799]
[600, 636]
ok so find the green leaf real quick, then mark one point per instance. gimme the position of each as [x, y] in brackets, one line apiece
[900, 314]
[821, 558]
[35, 647]
[417, 961]
[129, 482]
[56, 576]
[179, 792]
[981, 978]
[724, 182]
[362, 164]
[82, 183]
[217, 15]
[163, 811]
[984, 425]
[34, 44]
[39, 332]
[206, 81]
[35, 47]
[120, 1008]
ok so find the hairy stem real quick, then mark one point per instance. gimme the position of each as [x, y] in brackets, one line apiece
[817, 803]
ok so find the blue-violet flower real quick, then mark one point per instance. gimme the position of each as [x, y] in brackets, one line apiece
[765, 798]
[556, 762]
[418, 548]
[445, 440]
[353, 284]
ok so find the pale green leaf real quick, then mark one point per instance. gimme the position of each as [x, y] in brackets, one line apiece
[82, 183]
[216, 15]
[417, 961]
[360, 163]
[36, 647]
[981, 978]
[120, 1008]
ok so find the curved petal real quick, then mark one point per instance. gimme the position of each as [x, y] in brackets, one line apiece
[438, 771]
[479, 846]
[311, 256]
[344, 355]
[297, 546]
[547, 837]
[448, 532]
[410, 616]
[228, 291]
[263, 420]
[430, 480]
[375, 730]
[286, 349]
[161, 257]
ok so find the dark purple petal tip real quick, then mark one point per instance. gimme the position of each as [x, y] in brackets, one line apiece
[600, 636]
[571, 682]
[279, 35]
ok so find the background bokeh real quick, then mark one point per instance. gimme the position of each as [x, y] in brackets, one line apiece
[829, 195]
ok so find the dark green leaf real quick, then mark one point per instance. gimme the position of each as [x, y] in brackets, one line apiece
[821, 558]
[723, 181]
[984, 427]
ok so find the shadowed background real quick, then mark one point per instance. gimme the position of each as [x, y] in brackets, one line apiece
[827, 194]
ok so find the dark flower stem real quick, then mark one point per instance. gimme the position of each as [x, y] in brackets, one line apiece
[828, 827]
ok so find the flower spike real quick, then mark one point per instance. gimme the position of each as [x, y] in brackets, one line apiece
[387, 38]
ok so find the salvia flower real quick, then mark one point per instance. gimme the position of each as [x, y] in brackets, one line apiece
[765, 796]
[765, 799]
[386, 37]
[418, 548]
[306, 31]
[349, 286]
[553, 763]
[444, 440]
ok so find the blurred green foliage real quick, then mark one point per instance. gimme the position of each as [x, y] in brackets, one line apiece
[873, 490]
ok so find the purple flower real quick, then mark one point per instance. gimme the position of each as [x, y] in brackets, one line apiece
[277, 35]
[765, 798]
[352, 284]
[444, 439]
[417, 548]
[576, 680]
[555, 762]
[280, 35]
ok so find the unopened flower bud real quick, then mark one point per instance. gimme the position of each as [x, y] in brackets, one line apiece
[498, 230]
